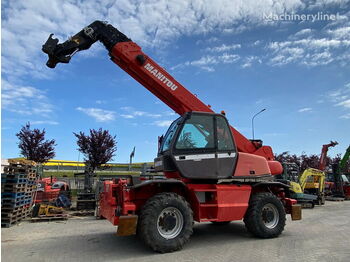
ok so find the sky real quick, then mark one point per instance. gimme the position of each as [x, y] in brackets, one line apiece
[291, 57]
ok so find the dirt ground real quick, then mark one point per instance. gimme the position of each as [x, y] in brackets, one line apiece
[322, 235]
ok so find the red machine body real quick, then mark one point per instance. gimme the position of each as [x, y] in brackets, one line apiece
[45, 193]
[209, 202]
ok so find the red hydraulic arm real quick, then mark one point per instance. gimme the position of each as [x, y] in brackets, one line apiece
[323, 158]
[130, 57]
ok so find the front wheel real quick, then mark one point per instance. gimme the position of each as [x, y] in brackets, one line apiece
[166, 222]
[265, 217]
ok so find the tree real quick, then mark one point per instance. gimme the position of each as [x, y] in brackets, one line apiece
[304, 161]
[33, 145]
[285, 157]
[98, 148]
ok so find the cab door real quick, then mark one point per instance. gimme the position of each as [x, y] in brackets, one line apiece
[194, 149]
[204, 147]
[226, 150]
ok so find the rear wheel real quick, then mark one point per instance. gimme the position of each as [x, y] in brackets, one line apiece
[166, 222]
[265, 217]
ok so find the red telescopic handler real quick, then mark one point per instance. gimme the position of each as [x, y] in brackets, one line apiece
[212, 173]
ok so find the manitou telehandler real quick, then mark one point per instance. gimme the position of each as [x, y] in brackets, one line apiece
[212, 172]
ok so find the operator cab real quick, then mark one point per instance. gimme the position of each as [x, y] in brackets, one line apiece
[198, 146]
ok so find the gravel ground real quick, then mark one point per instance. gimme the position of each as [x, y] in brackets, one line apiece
[322, 235]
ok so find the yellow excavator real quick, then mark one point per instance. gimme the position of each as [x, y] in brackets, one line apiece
[308, 188]
[312, 180]
[290, 176]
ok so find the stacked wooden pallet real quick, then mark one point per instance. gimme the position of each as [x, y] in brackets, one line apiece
[18, 186]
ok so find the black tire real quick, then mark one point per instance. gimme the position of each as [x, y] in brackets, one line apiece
[156, 218]
[312, 204]
[35, 210]
[265, 208]
[221, 223]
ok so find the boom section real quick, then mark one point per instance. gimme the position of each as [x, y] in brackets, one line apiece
[130, 57]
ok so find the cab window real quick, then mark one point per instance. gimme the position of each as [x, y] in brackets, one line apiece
[224, 137]
[169, 135]
[197, 133]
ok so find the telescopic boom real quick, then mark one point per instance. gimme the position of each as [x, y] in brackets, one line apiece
[129, 56]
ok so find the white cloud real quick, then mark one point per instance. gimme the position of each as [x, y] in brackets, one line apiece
[340, 98]
[210, 40]
[44, 122]
[310, 52]
[223, 48]
[208, 61]
[127, 116]
[340, 33]
[331, 44]
[346, 116]
[100, 102]
[345, 103]
[132, 113]
[24, 100]
[257, 42]
[339, 95]
[305, 109]
[100, 115]
[249, 60]
[27, 24]
[143, 113]
[304, 32]
[163, 123]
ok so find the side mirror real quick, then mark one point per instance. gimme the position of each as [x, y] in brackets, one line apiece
[160, 140]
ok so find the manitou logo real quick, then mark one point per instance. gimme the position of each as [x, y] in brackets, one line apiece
[162, 78]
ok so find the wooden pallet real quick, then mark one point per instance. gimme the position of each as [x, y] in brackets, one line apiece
[6, 195]
[48, 218]
[7, 215]
[18, 181]
[14, 175]
[22, 162]
[11, 209]
[5, 203]
[14, 188]
[10, 221]
[15, 169]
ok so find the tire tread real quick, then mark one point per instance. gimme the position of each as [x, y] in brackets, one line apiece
[148, 215]
[252, 217]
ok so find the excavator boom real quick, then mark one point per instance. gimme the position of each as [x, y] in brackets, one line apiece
[129, 56]
[323, 158]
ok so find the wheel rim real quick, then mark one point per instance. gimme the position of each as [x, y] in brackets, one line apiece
[170, 222]
[270, 216]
